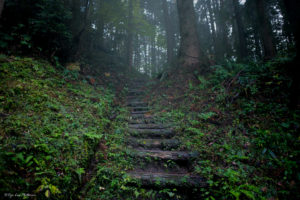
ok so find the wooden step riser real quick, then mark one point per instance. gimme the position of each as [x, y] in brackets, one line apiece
[164, 155]
[152, 131]
[135, 109]
[153, 135]
[162, 165]
[165, 181]
[136, 93]
[134, 104]
[139, 112]
[141, 121]
[140, 117]
[148, 126]
[158, 167]
[153, 144]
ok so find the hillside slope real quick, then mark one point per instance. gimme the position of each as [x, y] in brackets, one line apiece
[52, 122]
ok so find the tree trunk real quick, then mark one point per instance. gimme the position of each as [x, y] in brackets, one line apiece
[265, 29]
[1, 6]
[129, 45]
[169, 33]
[257, 43]
[77, 37]
[292, 11]
[190, 53]
[221, 32]
[212, 25]
[242, 50]
[100, 25]
[153, 56]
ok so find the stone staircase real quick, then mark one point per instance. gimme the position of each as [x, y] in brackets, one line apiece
[155, 152]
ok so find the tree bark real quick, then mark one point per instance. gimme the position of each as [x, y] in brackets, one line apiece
[169, 33]
[153, 57]
[190, 53]
[242, 50]
[1, 6]
[129, 45]
[292, 11]
[221, 32]
[212, 25]
[265, 29]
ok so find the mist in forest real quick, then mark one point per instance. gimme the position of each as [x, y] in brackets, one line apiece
[148, 35]
[149, 99]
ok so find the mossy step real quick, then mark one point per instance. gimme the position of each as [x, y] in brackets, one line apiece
[134, 97]
[148, 126]
[166, 144]
[140, 116]
[168, 179]
[152, 133]
[139, 109]
[166, 155]
[141, 121]
[139, 112]
[133, 92]
[137, 104]
[160, 167]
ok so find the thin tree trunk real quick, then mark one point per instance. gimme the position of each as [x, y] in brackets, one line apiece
[169, 33]
[265, 29]
[242, 50]
[153, 56]
[77, 39]
[1, 6]
[292, 11]
[219, 31]
[129, 45]
[212, 24]
[258, 50]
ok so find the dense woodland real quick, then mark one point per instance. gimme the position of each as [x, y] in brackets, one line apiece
[222, 73]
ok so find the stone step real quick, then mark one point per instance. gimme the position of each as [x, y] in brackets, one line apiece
[136, 86]
[139, 112]
[165, 144]
[139, 109]
[152, 133]
[134, 92]
[137, 104]
[165, 155]
[141, 116]
[148, 126]
[183, 180]
[136, 97]
[141, 121]
[156, 167]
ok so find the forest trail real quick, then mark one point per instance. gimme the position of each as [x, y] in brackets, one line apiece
[155, 149]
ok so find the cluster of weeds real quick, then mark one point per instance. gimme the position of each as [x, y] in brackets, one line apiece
[50, 128]
[238, 118]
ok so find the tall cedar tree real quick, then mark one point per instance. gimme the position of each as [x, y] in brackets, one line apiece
[242, 44]
[129, 44]
[190, 53]
[169, 33]
[1, 6]
[292, 8]
[265, 29]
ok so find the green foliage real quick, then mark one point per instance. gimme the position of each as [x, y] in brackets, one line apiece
[41, 25]
[238, 119]
[50, 128]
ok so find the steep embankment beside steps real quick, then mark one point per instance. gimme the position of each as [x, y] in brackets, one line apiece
[51, 123]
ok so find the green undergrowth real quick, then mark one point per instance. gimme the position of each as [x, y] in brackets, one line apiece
[238, 119]
[52, 122]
